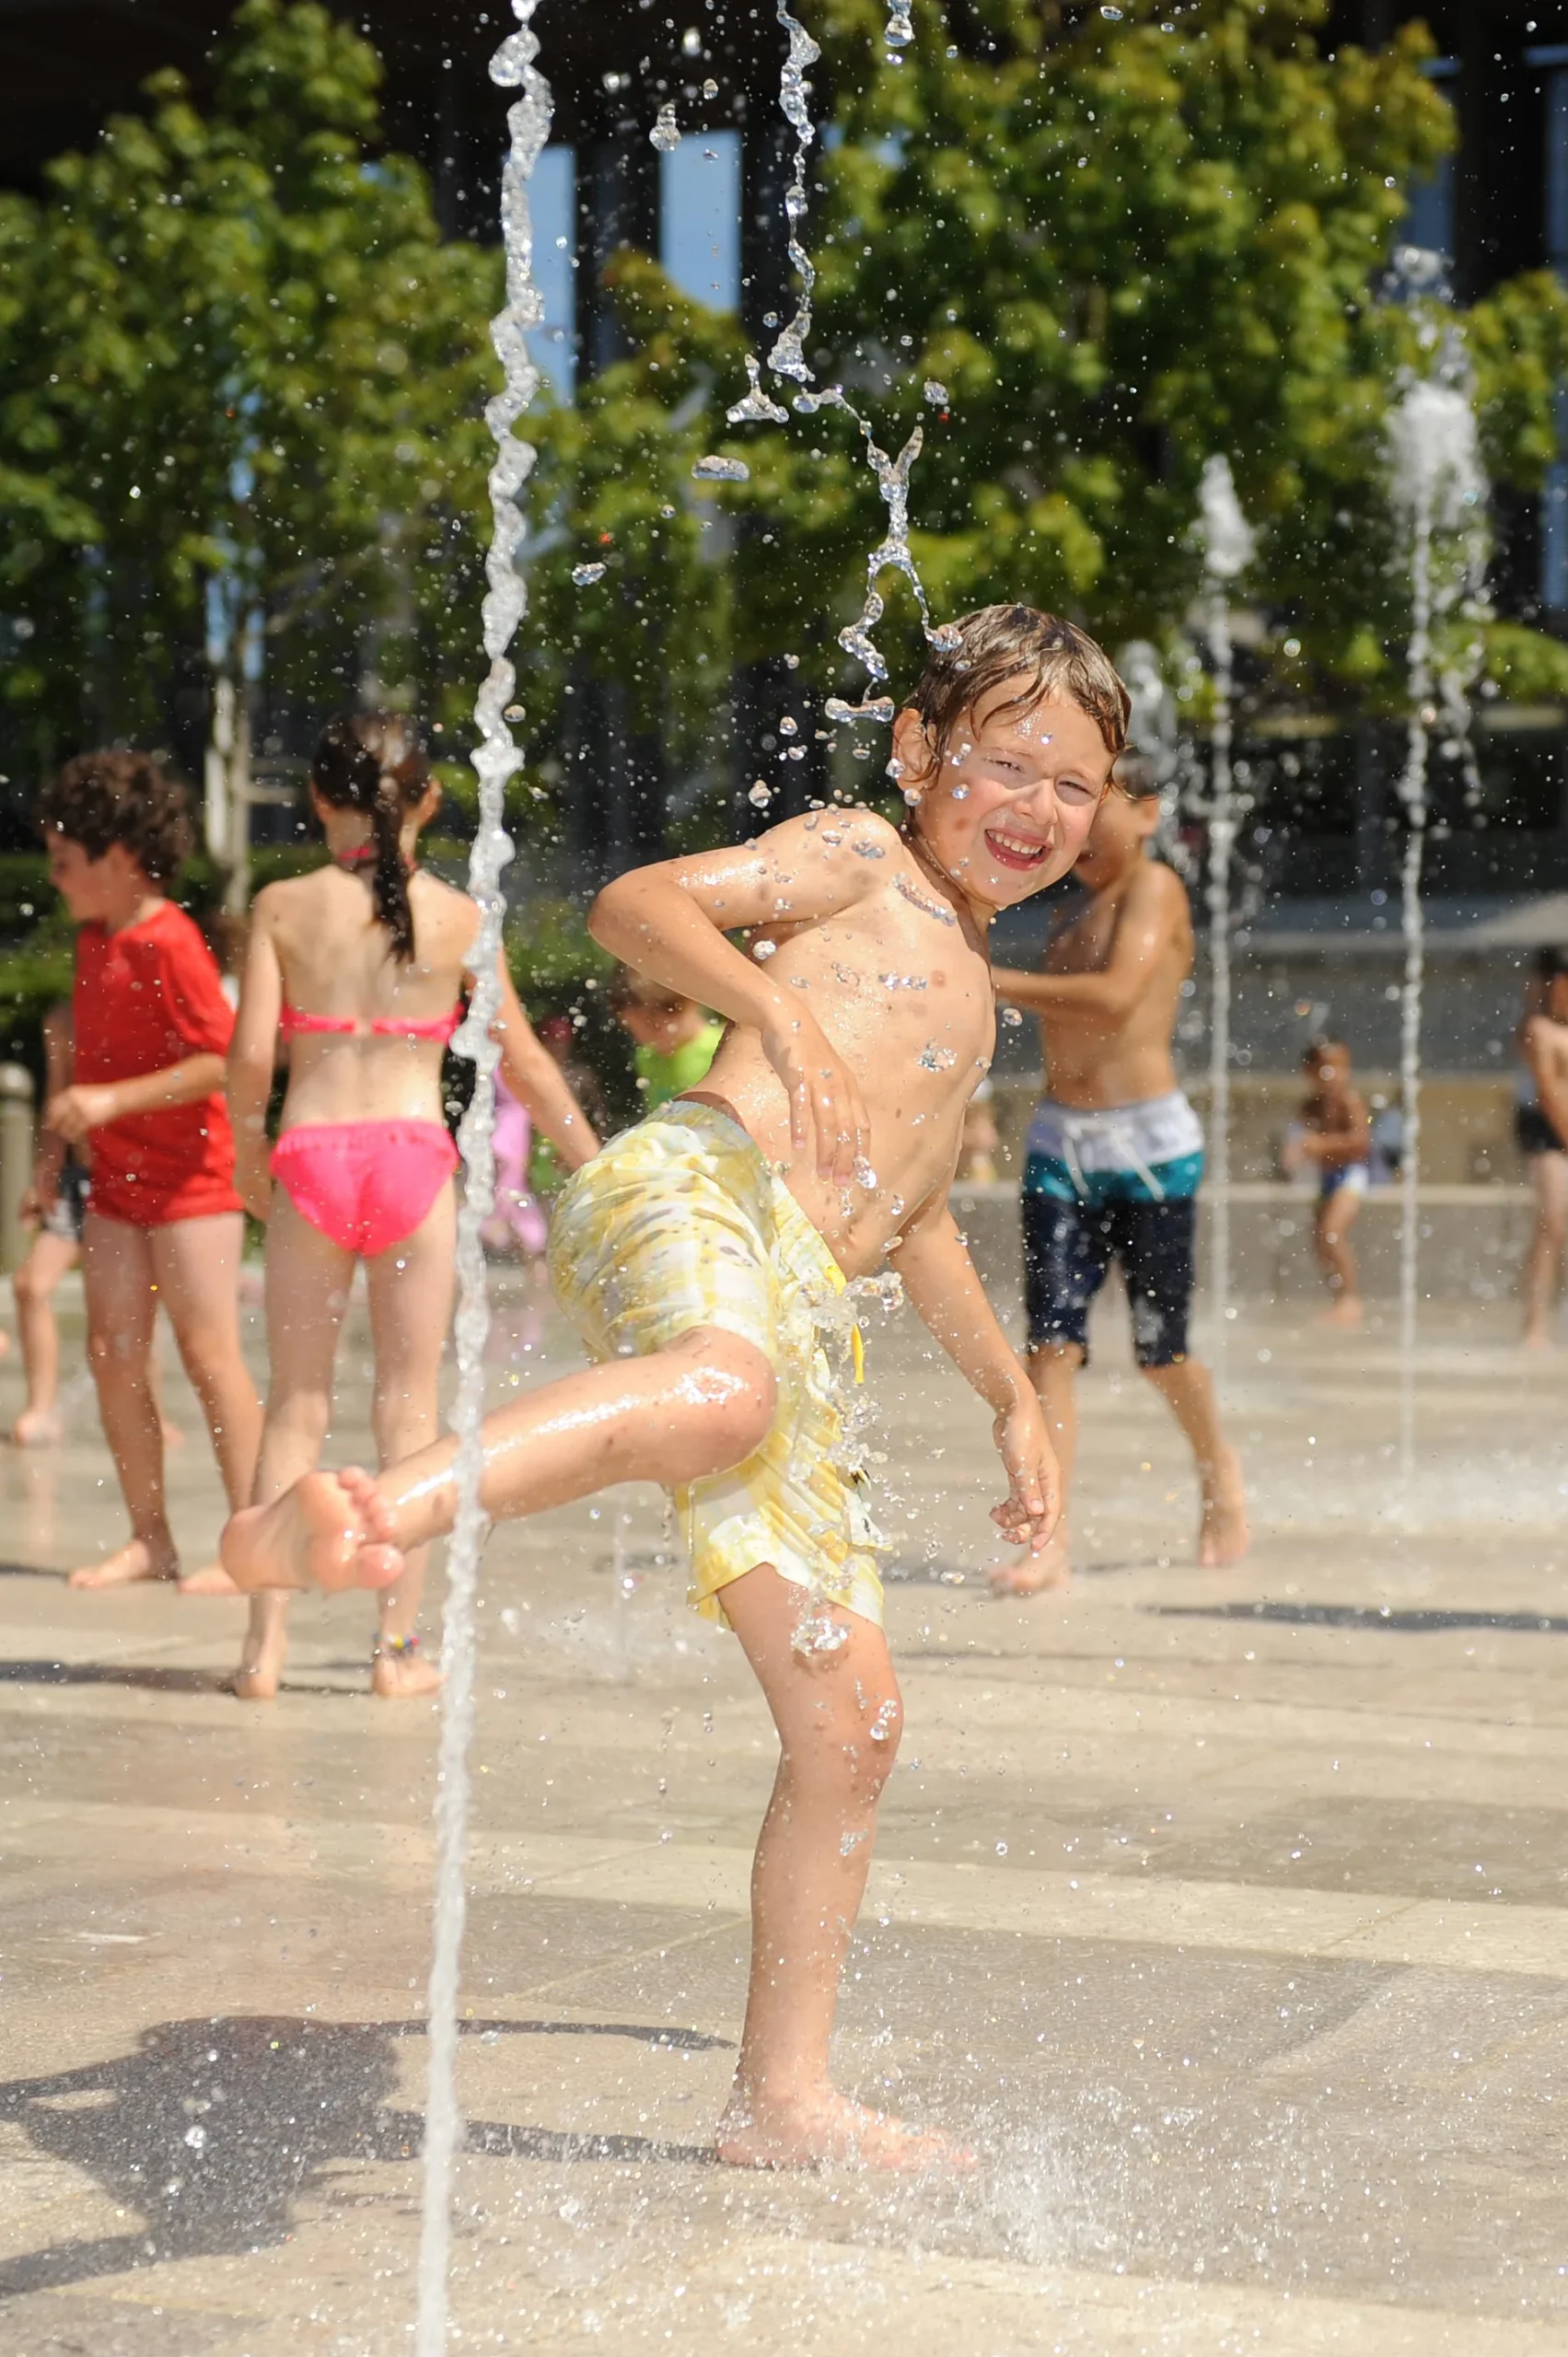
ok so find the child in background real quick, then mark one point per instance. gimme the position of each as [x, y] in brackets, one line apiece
[1114, 1158]
[163, 1226]
[359, 965]
[1334, 1137]
[1543, 1036]
[704, 1257]
[676, 1039]
[55, 1203]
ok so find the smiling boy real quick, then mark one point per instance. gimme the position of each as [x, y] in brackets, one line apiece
[703, 1257]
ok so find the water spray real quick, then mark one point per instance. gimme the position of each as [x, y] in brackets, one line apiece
[787, 361]
[1439, 494]
[496, 758]
[1228, 542]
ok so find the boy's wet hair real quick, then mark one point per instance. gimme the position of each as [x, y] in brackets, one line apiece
[374, 762]
[1549, 963]
[115, 797]
[628, 988]
[997, 645]
[1134, 774]
[1325, 1045]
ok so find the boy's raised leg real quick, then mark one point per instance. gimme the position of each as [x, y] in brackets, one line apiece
[674, 1416]
[839, 1717]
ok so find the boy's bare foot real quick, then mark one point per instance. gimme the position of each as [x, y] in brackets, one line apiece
[325, 1532]
[402, 1677]
[1224, 1536]
[1349, 1310]
[1535, 1338]
[35, 1428]
[134, 1560]
[827, 2130]
[1046, 1573]
[211, 1579]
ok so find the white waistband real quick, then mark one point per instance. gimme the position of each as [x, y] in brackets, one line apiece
[1117, 1137]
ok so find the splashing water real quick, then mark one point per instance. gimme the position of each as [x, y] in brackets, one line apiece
[1227, 542]
[787, 360]
[1439, 492]
[666, 133]
[496, 757]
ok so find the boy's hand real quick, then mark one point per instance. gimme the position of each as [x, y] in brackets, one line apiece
[79, 1109]
[1034, 1482]
[827, 1115]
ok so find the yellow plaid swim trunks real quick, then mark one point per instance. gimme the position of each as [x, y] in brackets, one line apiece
[679, 1224]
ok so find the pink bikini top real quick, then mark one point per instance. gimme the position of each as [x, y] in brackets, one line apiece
[295, 1020]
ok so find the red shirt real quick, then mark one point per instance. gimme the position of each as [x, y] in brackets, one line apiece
[146, 997]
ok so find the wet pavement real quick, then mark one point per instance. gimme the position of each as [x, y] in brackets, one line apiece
[1224, 1911]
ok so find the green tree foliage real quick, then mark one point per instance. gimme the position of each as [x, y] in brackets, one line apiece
[1119, 245]
[234, 349]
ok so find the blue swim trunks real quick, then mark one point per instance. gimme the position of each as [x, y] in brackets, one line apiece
[1101, 1188]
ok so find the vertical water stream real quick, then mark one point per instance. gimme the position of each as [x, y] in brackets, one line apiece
[496, 758]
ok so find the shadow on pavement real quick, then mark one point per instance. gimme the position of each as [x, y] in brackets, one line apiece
[1414, 1620]
[210, 2130]
[93, 1673]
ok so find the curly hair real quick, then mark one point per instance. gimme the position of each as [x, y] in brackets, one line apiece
[112, 797]
[996, 644]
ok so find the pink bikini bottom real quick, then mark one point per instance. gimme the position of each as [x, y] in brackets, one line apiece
[367, 1185]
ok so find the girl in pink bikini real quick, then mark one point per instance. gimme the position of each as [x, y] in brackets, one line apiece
[360, 967]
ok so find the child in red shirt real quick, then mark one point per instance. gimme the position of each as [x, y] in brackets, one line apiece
[164, 1224]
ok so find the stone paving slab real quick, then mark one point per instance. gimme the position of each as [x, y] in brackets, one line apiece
[1223, 1912]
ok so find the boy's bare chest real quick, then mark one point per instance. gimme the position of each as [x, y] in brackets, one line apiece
[1083, 946]
[912, 1007]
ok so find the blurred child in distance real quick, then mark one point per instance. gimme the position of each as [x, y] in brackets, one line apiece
[675, 1039]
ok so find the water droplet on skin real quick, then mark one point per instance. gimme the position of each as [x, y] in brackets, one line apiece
[850, 1842]
[882, 1724]
[935, 1059]
[960, 794]
[912, 796]
[870, 850]
[819, 1632]
[863, 1175]
[585, 574]
[666, 133]
[717, 469]
[763, 950]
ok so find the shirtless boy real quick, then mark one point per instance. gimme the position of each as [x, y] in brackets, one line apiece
[1333, 1137]
[1114, 1158]
[703, 1256]
[1540, 1128]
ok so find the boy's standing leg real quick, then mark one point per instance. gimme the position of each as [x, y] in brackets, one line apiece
[191, 1269]
[839, 1718]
